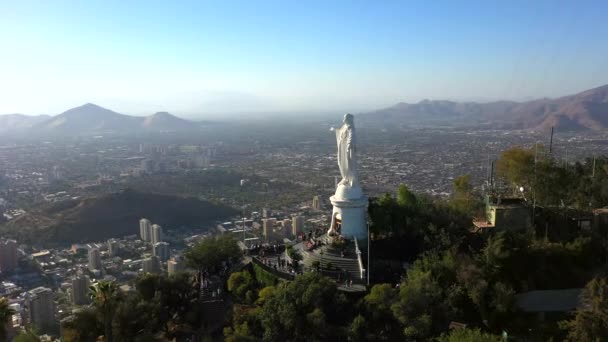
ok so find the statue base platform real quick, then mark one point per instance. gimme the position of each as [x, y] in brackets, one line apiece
[350, 212]
[335, 260]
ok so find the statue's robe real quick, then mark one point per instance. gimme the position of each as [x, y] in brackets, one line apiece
[347, 162]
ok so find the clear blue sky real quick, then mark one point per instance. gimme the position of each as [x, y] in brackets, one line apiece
[297, 56]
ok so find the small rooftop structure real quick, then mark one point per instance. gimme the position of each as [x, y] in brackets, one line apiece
[504, 214]
[565, 300]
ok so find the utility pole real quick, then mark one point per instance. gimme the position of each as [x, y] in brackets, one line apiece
[492, 178]
[593, 172]
[535, 184]
[369, 242]
[243, 213]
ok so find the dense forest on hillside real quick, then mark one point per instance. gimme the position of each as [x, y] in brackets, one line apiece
[106, 216]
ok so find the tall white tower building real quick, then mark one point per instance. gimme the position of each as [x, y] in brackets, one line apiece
[94, 259]
[145, 229]
[157, 234]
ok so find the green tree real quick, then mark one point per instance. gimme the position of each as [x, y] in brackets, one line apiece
[178, 300]
[28, 335]
[6, 315]
[147, 285]
[105, 296]
[239, 284]
[405, 197]
[305, 309]
[358, 329]
[83, 327]
[430, 297]
[265, 294]
[468, 335]
[210, 253]
[419, 306]
[240, 333]
[380, 316]
[494, 254]
[463, 199]
[517, 166]
[590, 322]
[134, 318]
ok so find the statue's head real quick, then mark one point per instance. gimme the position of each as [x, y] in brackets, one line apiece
[349, 119]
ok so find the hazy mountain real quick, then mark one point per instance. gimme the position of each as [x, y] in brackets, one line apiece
[16, 122]
[91, 118]
[164, 121]
[584, 111]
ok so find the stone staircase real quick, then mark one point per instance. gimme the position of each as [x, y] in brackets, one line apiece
[329, 254]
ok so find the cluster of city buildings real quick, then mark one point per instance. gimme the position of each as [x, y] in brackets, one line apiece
[46, 286]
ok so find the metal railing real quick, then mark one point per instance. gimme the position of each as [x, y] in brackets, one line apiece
[359, 260]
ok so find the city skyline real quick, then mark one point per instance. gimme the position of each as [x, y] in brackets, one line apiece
[198, 59]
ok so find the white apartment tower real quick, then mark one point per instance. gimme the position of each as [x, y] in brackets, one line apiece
[157, 234]
[145, 229]
[94, 259]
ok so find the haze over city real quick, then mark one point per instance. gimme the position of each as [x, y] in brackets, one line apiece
[198, 59]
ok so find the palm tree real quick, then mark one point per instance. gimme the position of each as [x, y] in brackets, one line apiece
[105, 296]
[6, 314]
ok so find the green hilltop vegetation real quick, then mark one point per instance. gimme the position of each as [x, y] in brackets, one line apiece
[111, 215]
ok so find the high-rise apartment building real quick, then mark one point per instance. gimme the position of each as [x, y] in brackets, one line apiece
[268, 226]
[161, 250]
[80, 290]
[157, 234]
[175, 265]
[113, 247]
[8, 255]
[145, 229]
[316, 203]
[151, 265]
[297, 225]
[41, 309]
[94, 259]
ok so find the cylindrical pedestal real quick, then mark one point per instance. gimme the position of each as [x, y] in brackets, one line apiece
[352, 214]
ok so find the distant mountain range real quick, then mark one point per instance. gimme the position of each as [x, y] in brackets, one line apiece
[91, 118]
[583, 111]
[20, 121]
[587, 110]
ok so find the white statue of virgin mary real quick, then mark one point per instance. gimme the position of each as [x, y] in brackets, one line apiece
[347, 160]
